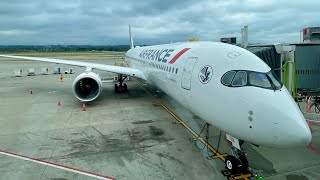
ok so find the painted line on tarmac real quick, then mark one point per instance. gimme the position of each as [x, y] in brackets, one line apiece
[315, 121]
[55, 165]
[310, 146]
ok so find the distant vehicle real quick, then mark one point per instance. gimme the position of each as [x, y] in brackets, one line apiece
[70, 71]
[56, 70]
[44, 71]
[17, 73]
[227, 86]
[31, 72]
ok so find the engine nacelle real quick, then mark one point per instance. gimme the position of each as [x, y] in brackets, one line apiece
[87, 86]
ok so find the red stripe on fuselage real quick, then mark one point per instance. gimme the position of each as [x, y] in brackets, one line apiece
[176, 57]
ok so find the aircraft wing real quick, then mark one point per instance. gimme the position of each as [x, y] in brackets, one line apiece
[109, 68]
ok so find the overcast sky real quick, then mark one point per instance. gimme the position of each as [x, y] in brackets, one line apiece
[102, 22]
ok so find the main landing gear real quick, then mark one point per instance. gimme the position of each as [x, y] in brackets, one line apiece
[237, 163]
[121, 87]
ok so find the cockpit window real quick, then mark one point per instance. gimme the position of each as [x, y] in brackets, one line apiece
[240, 79]
[227, 78]
[259, 79]
[275, 80]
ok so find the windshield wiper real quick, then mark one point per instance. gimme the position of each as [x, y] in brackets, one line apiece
[274, 87]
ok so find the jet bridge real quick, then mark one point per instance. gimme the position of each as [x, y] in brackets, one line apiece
[269, 55]
[298, 65]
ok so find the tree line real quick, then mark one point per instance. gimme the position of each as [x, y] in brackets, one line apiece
[61, 48]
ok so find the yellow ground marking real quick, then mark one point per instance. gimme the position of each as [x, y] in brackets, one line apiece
[218, 156]
[243, 176]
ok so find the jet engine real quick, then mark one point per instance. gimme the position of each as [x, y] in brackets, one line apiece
[87, 86]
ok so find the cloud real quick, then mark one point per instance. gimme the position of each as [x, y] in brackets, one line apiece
[101, 22]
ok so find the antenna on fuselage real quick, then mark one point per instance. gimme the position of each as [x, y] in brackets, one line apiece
[131, 40]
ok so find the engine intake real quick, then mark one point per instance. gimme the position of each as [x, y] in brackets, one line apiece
[87, 86]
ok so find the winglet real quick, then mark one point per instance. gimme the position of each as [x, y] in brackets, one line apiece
[131, 40]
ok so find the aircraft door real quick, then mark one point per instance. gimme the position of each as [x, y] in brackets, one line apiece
[187, 72]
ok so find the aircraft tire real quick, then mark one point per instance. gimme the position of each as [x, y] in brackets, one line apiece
[232, 164]
[116, 88]
[244, 163]
[125, 87]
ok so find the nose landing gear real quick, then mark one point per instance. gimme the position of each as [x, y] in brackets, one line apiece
[237, 162]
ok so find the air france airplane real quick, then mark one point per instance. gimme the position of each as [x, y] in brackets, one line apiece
[227, 86]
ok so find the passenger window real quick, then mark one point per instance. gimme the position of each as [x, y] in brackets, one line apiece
[177, 71]
[240, 79]
[172, 70]
[227, 78]
[259, 79]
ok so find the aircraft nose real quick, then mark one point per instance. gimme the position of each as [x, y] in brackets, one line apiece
[300, 134]
[294, 134]
[304, 133]
[291, 125]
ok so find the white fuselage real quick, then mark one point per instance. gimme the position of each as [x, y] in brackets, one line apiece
[191, 74]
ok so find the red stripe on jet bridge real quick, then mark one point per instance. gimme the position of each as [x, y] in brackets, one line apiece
[176, 57]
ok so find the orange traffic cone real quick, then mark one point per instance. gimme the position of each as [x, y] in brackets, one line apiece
[61, 77]
[84, 107]
[59, 104]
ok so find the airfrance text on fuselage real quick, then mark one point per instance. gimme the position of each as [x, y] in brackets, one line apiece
[160, 55]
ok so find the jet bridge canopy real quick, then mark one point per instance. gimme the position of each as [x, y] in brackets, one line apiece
[269, 55]
[306, 57]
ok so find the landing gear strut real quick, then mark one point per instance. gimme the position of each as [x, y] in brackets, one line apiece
[238, 162]
[121, 87]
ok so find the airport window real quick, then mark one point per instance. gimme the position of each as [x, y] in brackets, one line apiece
[177, 71]
[227, 78]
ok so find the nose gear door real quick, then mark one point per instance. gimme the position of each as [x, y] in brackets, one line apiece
[187, 72]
